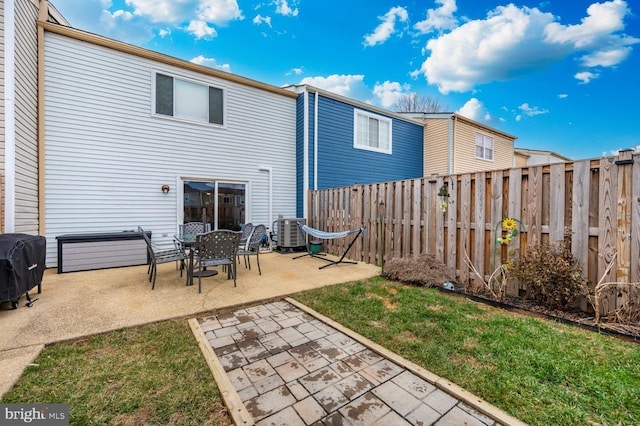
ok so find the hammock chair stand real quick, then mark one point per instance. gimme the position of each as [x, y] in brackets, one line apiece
[307, 230]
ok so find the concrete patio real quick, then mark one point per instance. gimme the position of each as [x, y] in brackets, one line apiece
[275, 361]
[84, 303]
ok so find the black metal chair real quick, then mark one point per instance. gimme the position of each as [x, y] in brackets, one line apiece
[247, 230]
[216, 248]
[252, 248]
[158, 256]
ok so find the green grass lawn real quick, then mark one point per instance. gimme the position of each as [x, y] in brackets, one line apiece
[541, 372]
[151, 375]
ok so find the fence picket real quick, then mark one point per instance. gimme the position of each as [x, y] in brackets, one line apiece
[597, 200]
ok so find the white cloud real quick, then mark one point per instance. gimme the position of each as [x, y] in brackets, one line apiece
[616, 152]
[164, 32]
[439, 19]
[513, 41]
[389, 92]
[388, 26]
[259, 19]
[209, 62]
[176, 12]
[201, 30]
[123, 25]
[532, 111]
[585, 76]
[295, 71]
[283, 8]
[344, 85]
[606, 58]
[475, 110]
[219, 12]
[563, 96]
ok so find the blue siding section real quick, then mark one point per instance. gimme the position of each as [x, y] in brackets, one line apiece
[299, 154]
[340, 164]
[312, 124]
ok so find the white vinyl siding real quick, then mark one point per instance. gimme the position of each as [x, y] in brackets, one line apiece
[107, 156]
[372, 132]
[26, 117]
[2, 129]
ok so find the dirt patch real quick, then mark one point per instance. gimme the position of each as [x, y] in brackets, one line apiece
[388, 304]
[423, 270]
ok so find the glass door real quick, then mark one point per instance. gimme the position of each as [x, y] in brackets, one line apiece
[220, 204]
[231, 211]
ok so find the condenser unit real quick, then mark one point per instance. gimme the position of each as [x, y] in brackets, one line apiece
[288, 234]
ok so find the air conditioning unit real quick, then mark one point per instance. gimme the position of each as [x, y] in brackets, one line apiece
[288, 234]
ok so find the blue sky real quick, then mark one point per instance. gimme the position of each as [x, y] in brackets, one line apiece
[560, 75]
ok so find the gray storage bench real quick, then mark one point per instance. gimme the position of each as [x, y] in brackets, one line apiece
[84, 252]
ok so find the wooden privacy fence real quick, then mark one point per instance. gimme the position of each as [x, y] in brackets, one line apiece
[594, 203]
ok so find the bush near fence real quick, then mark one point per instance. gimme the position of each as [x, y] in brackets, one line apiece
[594, 203]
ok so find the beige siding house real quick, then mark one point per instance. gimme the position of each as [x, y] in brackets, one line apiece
[19, 157]
[523, 157]
[456, 144]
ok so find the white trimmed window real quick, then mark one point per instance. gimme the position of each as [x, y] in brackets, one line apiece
[180, 98]
[372, 132]
[484, 147]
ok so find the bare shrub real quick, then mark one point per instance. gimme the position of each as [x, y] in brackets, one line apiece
[551, 275]
[496, 284]
[422, 270]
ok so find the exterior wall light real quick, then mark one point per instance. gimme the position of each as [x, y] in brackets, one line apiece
[165, 188]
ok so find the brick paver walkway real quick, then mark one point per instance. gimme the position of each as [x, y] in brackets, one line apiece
[289, 368]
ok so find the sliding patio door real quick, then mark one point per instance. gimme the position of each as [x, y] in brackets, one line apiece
[218, 203]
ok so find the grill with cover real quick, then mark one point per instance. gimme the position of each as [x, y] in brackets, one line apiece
[22, 264]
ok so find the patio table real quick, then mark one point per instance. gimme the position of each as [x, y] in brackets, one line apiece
[187, 241]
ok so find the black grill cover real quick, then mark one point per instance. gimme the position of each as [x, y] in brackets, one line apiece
[22, 264]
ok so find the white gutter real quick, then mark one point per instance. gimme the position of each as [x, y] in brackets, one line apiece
[269, 170]
[9, 118]
[305, 155]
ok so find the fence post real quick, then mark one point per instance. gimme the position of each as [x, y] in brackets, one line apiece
[623, 214]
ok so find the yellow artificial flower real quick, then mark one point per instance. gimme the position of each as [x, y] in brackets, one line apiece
[509, 224]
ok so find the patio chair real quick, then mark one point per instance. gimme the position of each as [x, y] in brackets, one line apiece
[252, 248]
[216, 248]
[247, 230]
[194, 228]
[158, 256]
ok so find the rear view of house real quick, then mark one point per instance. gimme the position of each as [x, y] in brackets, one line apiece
[133, 137]
[342, 142]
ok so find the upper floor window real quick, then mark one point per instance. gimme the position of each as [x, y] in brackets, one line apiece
[484, 147]
[372, 132]
[185, 99]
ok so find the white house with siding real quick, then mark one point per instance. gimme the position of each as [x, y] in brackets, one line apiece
[19, 157]
[121, 123]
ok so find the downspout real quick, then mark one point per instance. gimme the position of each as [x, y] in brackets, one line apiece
[452, 135]
[42, 17]
[269, 170]
[9, 119]
[305, 154]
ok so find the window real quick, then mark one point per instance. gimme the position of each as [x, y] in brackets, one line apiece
[214, 202]
[185, 99]
[372, 132]
[484, 147]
